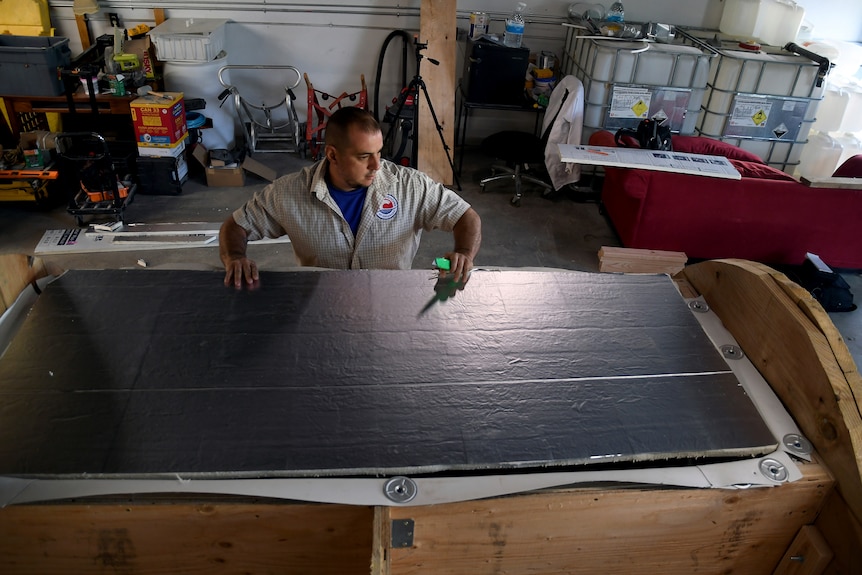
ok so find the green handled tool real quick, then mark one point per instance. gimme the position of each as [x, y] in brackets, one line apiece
[442, 264]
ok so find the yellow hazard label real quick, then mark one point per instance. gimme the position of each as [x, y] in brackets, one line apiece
[640, 108]
[759, 117]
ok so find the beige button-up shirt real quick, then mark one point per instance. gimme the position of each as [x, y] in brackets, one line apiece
[400, 204]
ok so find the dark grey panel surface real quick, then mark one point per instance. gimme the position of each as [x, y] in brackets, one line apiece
[143, 372]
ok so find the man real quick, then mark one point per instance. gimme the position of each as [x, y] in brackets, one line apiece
[351, 210]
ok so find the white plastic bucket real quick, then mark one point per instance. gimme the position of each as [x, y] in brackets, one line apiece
[200, 80]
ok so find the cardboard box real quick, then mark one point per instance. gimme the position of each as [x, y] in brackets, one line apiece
[37, 158]
[230, 175]
[143, 49]
[159, 120]
[174, 151]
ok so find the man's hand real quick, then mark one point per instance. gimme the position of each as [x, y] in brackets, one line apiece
[238, 268]
[468, 237]
[240, 271]
[459, 266]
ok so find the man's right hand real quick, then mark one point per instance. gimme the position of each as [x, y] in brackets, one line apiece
[240, 271]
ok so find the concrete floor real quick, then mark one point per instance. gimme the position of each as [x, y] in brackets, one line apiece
[565, 232]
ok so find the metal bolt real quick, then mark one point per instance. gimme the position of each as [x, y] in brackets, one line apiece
[400, 489]
[730, 351]
[698, 306]
[773, 469]
[795, 443]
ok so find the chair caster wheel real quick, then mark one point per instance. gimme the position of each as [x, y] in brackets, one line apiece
[481, 188]
[515, 202]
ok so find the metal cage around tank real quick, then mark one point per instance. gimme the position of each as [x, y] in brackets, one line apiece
[628, 80]
[763, 99]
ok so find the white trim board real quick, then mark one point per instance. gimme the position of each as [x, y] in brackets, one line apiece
[658, 160]
[133, 237]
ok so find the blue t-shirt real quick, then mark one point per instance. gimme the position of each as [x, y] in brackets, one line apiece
[350, 204]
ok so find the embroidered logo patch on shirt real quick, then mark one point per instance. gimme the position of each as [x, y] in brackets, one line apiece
[388, 207]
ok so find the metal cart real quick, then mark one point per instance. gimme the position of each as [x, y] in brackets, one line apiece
[99, 189]
[265, 132]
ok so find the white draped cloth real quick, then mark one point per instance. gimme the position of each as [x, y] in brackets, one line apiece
[566, 111]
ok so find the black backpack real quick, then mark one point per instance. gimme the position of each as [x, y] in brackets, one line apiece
[650, 135]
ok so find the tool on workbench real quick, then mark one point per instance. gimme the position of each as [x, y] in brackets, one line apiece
[445, 287]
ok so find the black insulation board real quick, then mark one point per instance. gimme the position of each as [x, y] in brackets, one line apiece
[142, 373]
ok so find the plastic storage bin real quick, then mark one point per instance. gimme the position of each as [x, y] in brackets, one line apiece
[762, 101]
[29, 64]
[189, 40]
[627, 81]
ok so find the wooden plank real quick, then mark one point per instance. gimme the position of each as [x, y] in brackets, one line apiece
[170, 536]
[809, 554]
[613, 531]
[382, 541]
[843, 533]
[83, 30]
[805, 362]
[632, 260]
[437, 28]
[831, 182]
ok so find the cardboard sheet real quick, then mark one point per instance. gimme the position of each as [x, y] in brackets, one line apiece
[154, 373]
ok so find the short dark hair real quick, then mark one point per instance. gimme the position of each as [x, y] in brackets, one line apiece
[339, 124]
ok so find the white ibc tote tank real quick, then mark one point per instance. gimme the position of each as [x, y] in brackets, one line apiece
[200, 80]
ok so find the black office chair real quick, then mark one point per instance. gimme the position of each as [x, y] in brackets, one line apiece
[519, 151]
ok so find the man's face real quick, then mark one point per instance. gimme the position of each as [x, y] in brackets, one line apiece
[355, 165]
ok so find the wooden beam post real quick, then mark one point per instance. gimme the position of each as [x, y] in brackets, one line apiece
[83, 30]
[438, 29]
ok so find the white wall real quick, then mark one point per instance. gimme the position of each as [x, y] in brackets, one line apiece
[336, 42]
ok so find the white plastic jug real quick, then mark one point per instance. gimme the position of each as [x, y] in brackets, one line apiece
[820, 156]
[742, 18]
[850, 146]
[774, 22]
[782, 22]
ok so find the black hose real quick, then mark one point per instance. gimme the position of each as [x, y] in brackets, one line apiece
[823, 61]
[408, 39]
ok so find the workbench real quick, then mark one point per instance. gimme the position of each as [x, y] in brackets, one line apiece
[536, 422]
[105, 104]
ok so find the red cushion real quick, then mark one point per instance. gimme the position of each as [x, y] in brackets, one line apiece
[710, 147]
[760, 170]
[851, 168]
[688, 144]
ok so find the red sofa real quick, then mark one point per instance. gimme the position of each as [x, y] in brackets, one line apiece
[767, 216]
